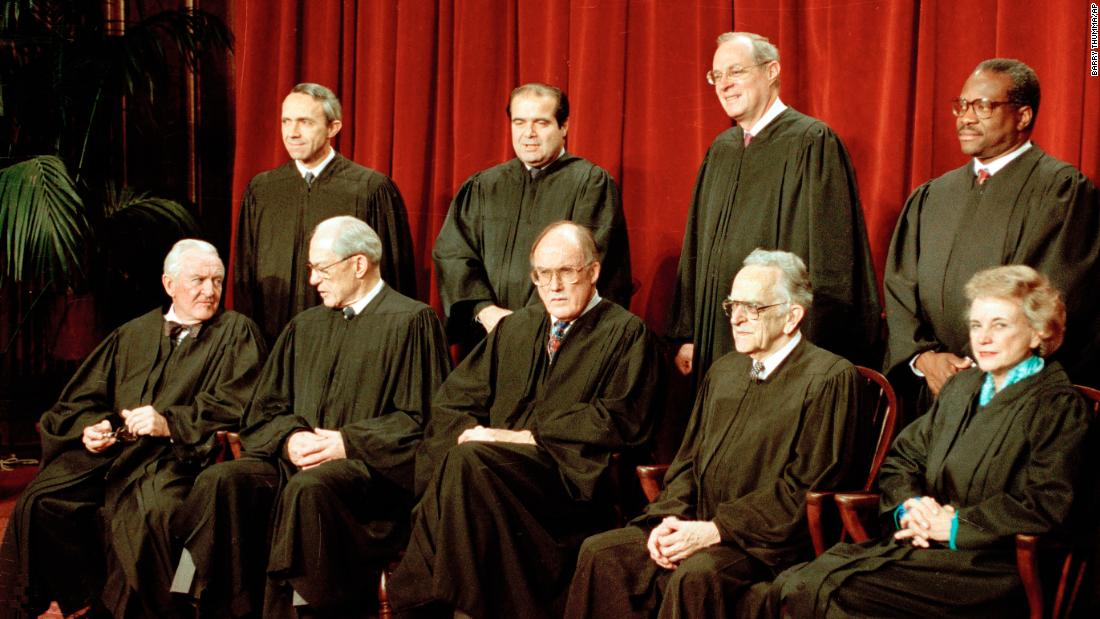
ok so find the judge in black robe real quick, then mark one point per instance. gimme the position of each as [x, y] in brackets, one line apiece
[518, 453]
[753, 448]
[481, 252]
[366, 379]
[1036, 210]
[279, 209]
[793, 189]
[92, 528]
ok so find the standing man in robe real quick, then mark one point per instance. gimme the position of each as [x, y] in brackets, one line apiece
[329, 443]
[121, 448]
[497, 213]
[1010, 204]
[727, 520]
[281, 206]
[779, 180]
[518, 453]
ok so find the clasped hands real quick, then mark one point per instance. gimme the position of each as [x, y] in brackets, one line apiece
[308, 448]
[141, 421]
[674, 540]
[925, 520]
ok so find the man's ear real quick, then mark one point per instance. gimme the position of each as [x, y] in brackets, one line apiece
[334, 128]
[794, 318]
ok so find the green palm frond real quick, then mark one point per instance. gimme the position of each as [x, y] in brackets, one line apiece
[42, 224]
[139, 213]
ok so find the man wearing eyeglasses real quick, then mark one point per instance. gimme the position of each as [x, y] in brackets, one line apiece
[481, 252]
[515, 467]
[329, 439]
[774, 419]
[281, 206]
[782, 180]
[1011, 203]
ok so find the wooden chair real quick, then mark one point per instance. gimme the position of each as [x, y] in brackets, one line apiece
[858, 512]
[229, 445]
[822, 521]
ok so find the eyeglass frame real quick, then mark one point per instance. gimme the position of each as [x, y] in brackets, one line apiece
[560, 273]
[323, 270]
[741, 72]
[965, 106]
[752, 310]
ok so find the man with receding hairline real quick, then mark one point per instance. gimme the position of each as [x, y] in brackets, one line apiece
[515, 465]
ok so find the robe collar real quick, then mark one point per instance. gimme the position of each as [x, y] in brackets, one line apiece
[317, 169]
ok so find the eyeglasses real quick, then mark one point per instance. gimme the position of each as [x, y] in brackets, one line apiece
[565, 275]
[322, 270]
[983, 108]
[121, 433]
[736, 73]
[752, 310]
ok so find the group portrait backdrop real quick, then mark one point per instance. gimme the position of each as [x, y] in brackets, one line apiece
[424, 85]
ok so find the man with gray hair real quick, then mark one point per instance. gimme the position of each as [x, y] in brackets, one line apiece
[281, 206]
[122, 446]
[772, 420]
[781, 180]
[329, 441]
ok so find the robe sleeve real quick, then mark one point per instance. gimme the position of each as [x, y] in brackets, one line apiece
[270, 418]
[681, 322]
[221, 403]
[385, 213]
[1043, 499]
[773, 515]
[600, 195]
[463, 280]
[244, 259]
[620, 418]
[909, 330]
[387, 442]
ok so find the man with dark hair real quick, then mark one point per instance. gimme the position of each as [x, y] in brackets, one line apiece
[121, 448]
[779, 180]
[480, 252]
[726, 519]
[281, 206]
[515, 467]
[1010, 204]
[329, 441]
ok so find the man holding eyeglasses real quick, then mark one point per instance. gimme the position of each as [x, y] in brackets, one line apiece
[1011, 203]
[782, 180]
[774, 419]
[515, 466]
[329, 442]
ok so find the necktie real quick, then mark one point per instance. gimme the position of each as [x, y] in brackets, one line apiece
[757, 371]
[557, 334]
[348, 312]
[748, 138]
[983, 176]
[309, 179]
[535, 172]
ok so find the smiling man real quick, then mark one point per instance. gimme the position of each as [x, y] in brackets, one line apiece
[515, 467]
[1011, 203]
[481, 252]
[281, 207]
[781, 180]
[122, 446]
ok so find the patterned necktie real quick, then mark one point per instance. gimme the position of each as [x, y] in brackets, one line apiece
[348, 312]
[309, 179]
[983, 176]
[748, 138]
[757, 371]
[557, 334]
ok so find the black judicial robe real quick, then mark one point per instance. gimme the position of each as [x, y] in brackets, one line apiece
[371, 378]
[497, 529]
[792, 189]
[750, 453]
[201, 386]
[1037, 211]
[278, 214]
[482, 252]
[1009, 467]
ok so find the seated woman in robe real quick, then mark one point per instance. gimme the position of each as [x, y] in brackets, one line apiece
[999, 453]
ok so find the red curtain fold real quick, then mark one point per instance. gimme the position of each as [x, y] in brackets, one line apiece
[424, 86]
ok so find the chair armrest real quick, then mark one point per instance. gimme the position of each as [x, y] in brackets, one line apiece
[234, 440]
[652, 478]
[857, 511]
[1027, 563]
[818, 519]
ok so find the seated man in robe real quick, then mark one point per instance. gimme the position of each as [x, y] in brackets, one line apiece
[329, 444]
[122, 446]
[518, 453]
[772, 420]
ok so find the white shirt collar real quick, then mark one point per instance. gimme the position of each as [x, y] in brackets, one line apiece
[531, 167]
[171, 315]
[776, 109]
[320, 167]
[359, 305]
[778, 356]
[591, 303]
[1000, 162]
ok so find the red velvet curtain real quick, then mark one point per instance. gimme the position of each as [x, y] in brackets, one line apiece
[424, 85]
